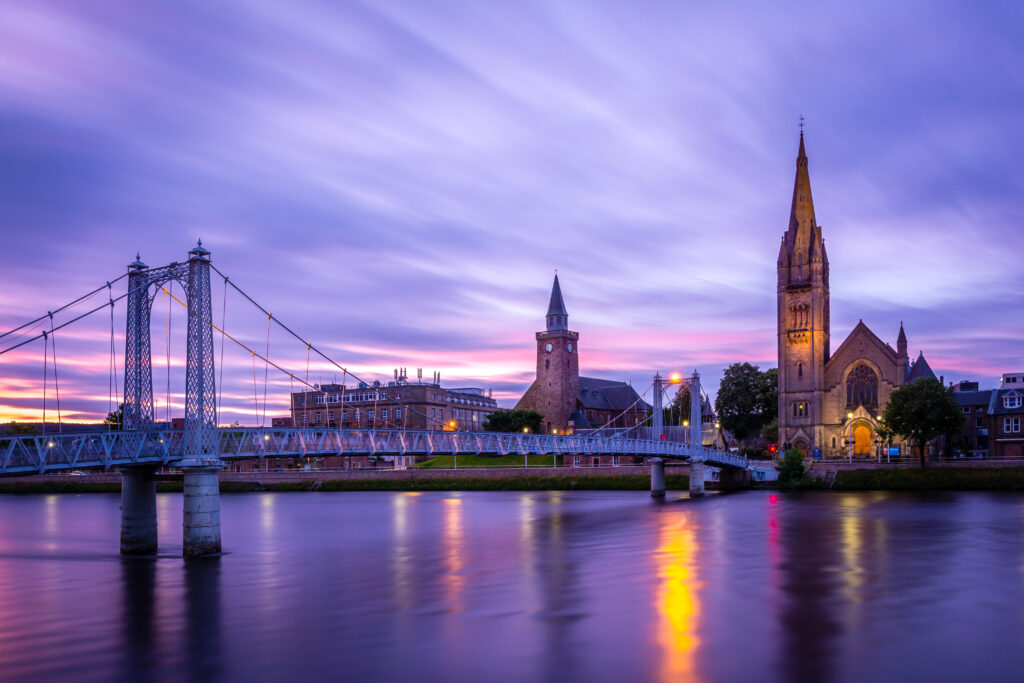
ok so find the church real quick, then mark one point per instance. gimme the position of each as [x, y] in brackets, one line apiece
[828, 402]
[567, 401]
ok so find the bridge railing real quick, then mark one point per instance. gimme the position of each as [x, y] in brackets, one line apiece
[28, 454]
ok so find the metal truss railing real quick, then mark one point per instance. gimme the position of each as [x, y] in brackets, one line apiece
[39, 454]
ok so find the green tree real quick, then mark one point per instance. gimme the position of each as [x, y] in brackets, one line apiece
[748, 399]
[791, 468]
[921, 411]
[514, 421]
[115, 419]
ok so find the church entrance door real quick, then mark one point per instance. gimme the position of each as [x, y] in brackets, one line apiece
[861, 440]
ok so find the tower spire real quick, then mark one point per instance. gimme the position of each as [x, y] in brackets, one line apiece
[557, 317]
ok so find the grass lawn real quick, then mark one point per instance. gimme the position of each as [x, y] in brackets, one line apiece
[446, 462]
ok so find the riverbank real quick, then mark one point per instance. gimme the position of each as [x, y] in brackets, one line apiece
[550, 479]
[966, 478]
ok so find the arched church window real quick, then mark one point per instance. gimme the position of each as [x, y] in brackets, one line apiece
[800, 369]
[833, 442]
[862, 388]
[547, 364]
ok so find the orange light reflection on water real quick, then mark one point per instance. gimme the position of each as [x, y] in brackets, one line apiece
[677, 601]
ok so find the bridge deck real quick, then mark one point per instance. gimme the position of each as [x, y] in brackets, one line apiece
[39, 454]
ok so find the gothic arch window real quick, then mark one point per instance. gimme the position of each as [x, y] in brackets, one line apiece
[547, 364]
[833, 442]
[862, 388]
[800, 369]
[799, 317]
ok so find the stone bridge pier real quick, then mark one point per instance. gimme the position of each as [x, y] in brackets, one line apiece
[138, 510]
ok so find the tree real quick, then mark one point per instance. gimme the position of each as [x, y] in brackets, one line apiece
[115, 419]
[748, 399]
[514, 421]
[921, 411]
[791, 467]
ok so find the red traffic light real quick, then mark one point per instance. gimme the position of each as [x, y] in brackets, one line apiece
[771, 449]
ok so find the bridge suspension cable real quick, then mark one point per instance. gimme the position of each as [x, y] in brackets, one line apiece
[62, 308]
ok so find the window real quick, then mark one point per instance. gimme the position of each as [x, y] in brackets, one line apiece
[966, 410]
[862, 388]
[800, 409]
[576, 461]
[615, 461]
[800, 369]
[383, 413]
[369, 414]
[1012, 401]
[1011, 425]
[330, 416]
[319, 418]
[979, 423]
[398, 413]
[321, 399]
[344, 415]
[357, 415]
[547, 364]
[305, 418]
[833, 442]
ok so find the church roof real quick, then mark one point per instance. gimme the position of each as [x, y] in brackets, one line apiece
[862, 331]
[556, 305]
[919, 369]
[604, 394]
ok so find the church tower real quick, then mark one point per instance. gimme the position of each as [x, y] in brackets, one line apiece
[558, 369]
[803, 318]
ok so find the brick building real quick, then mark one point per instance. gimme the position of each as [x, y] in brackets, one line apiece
[993, 419]
[566, 400]
[400, 404]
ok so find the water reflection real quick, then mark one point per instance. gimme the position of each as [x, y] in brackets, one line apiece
[677, 602]
[534, 586]
[138, 615]
[454, 580]
[202, 618]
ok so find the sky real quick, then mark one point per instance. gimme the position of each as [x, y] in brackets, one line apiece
[399, 181]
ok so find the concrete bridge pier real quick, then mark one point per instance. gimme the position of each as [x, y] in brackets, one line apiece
[138, 510]
[201, 523]
[696, 478]
[657, 478]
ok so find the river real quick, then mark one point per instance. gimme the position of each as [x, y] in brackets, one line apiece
[501, 586]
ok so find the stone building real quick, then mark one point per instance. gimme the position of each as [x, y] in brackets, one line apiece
[993, 419]
[566, 400]
[828, 402]
[400, 404]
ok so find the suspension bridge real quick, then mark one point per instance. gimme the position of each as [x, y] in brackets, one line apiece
[139, 446]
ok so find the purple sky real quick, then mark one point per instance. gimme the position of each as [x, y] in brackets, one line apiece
[399, 181]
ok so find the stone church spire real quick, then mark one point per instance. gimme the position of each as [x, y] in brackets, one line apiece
[557, 317]
[802, 243]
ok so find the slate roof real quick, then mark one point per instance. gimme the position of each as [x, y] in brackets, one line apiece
[995, 405]
[919, 369]
[604, 394]
[972, 398]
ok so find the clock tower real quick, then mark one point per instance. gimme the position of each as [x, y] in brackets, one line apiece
[557, 388]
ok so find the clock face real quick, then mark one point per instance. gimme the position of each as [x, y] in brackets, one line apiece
[548, 347]
[569, 347]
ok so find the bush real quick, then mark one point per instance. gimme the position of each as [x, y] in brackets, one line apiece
[791, 469]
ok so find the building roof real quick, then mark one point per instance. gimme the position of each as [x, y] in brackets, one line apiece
[604, 394]
[996, 407]
[556, 306]
[919, 369]
[972, 398]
